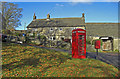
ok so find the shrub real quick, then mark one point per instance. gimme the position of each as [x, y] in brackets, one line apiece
[88, 41]
[27, 39]
[42, 37]
[116, 50]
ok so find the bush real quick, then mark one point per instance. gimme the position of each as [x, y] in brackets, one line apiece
[116, 50]
[88, 41]
[42, 37]
[93, 42]
[27, 39]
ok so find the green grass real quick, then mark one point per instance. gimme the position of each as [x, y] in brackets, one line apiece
[100, 51]
[26, 61]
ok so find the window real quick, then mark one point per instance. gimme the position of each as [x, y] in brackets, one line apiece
[36, 29]
[50, 38]
[74, 32]
[62, 38]
[60, 29]
[53, 38]
[51, 29]
[31, 34]
[81, 31]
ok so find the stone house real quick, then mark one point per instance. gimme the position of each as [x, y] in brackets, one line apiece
[56, 29]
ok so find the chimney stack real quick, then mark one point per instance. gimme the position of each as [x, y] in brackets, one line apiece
[83, 15]
[48, 16]
[34, 17]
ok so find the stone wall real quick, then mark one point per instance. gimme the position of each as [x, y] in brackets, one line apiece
[116, 44]
[54, 32]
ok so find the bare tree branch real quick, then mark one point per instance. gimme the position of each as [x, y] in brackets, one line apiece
[11, 14]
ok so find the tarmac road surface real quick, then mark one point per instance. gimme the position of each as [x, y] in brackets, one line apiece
[109, 58]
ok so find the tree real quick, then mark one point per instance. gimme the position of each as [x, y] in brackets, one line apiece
[11, 14]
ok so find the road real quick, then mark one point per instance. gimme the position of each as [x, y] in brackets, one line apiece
[109, 58]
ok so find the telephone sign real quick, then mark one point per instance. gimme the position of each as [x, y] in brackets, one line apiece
[78, 43]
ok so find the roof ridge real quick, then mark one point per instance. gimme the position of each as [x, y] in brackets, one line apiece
[62, 18]
[103, 23]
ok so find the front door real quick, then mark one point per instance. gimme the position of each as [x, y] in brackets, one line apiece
[107, 45]
[81, 42]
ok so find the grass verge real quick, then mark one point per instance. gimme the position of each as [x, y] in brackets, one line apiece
[27, 61]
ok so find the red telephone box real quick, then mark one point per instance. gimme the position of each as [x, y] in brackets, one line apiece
[79, 43]
[97, 44]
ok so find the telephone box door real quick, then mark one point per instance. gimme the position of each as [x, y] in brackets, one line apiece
[81, 46]
[82, 43]
[79, 43]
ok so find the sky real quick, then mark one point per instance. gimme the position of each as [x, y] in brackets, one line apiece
[106, 12]
[61, 0]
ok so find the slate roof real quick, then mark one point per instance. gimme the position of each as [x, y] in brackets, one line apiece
[56, 22]
[102, 29]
